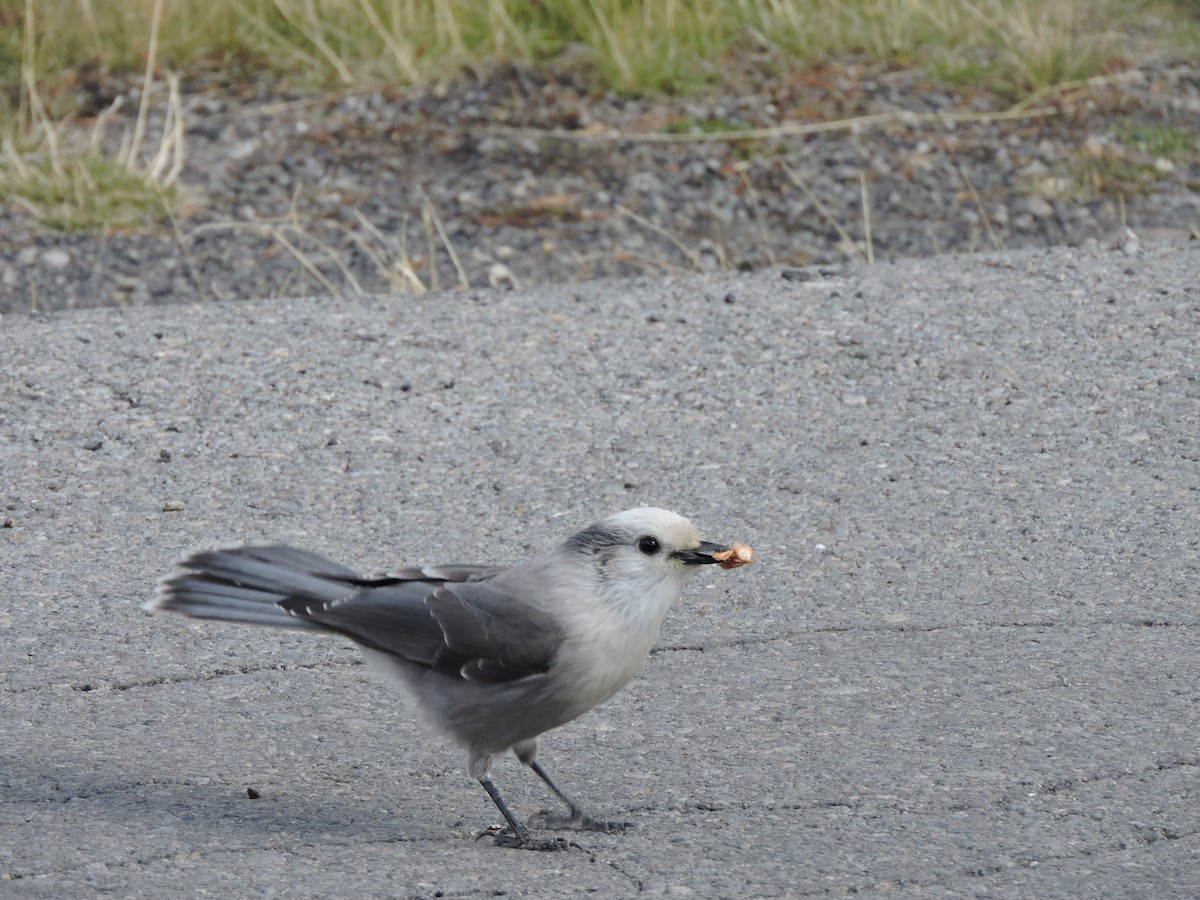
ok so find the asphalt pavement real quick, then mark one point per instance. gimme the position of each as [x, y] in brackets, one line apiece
[966, 663]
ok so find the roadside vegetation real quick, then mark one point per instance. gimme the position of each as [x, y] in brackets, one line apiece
[53, 51]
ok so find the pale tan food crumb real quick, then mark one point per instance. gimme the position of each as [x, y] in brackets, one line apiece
[737, 555]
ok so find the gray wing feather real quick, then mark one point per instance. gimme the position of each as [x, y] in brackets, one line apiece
[458, 628]
[491, 635]
[282, 570]
[449, 618]
[200, 597]
[388, 617]
[245, 584]
[444, 573]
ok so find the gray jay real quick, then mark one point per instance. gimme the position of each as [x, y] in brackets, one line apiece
[492, 656]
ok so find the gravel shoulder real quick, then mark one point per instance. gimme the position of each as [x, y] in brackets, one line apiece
[527, 179]
[964, 664]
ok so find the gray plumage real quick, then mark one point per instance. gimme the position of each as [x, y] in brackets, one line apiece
[492, 656]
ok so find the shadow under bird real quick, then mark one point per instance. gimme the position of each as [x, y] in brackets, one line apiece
[492, 656]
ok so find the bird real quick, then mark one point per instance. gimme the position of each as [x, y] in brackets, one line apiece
[492, 656]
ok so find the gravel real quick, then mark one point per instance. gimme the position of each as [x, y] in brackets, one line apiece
[527, 178]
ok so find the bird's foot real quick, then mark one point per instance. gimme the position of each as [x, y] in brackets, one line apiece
[529, 842]
[523, 840]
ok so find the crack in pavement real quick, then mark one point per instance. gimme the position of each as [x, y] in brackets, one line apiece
[1139, 836]
[901, 627]
[617, 867]
[1066, 784]
[209, 675]
[690, 647]
[192, 856]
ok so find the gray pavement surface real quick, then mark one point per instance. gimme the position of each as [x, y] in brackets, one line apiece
[967, 662]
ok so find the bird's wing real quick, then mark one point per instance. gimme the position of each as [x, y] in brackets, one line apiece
[435, 573]
[491, 635]
[466, 628]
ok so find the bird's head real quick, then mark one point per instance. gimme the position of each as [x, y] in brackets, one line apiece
[644, 555]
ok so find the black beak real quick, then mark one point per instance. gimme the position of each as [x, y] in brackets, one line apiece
[701, 556]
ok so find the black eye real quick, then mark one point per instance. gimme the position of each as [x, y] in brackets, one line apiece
[648, 545]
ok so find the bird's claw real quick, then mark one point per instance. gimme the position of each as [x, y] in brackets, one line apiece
[523, 840]
[491, 831]
[529, 842]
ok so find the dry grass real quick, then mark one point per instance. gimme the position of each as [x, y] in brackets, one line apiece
[75, 179]
[649, 46]
[70, 178]
[329, 267]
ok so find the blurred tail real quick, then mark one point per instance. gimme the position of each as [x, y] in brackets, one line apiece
[246, 584]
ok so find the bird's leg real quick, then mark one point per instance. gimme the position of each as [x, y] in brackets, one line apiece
[579, 818]
[520, 836]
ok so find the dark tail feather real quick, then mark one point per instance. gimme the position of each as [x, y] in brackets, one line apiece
[247, 584]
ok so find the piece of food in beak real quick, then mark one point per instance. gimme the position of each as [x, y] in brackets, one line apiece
[737, 555]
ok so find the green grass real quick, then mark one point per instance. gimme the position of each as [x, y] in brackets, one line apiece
[1166, 141]
[88, 192]
[49, 49]
[744, 148]
[1134, 159]
[706, 126]
[627, 45]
